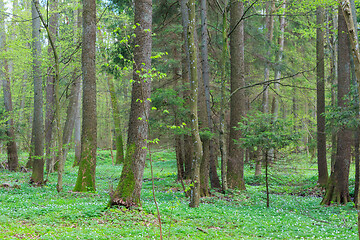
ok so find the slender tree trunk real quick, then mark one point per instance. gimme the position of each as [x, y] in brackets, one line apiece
[205, 115]
[337, 190]
[117, 122]
[211, 165]
[198, 152]
[185, 78]
[235, 168]
[50, 89]
[86, 174]
[12, 156]
[128, 190]
[77, 124]
[71, 114]
[320, 76]
[37, 175]
[223, 101]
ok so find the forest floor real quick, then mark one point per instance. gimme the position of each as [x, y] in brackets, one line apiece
[28, 212]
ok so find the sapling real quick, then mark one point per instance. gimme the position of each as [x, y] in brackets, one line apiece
[263, 132]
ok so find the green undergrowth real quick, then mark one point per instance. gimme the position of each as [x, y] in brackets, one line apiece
[28, 212]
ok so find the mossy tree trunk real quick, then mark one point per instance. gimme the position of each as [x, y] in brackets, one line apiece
[128, 190]
[235, 168]
[337, 190]
[198, 151]
[86, 174]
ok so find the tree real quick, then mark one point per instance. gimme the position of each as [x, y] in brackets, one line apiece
[320, 79]
[128, 190]
[235, 166]
[265, 132]
[86, 174]
[13, 161]
[337, 189]
[37, 175]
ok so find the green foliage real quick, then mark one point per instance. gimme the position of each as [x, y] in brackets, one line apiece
[42, 213]
[262, 131]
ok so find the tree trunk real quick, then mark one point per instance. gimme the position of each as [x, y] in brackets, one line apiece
[337, 190]
[128, 190]
[37, 175]
[12, 156]
[210, 165]
[235, 168]
[50, 90]
[198, 152]
[119, 143]
[185, 78]
[320, 76]
[86, 174]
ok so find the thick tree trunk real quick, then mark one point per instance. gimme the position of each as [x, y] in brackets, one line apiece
[235, 168]
[128, 190]
[320, 76]
[86, 174]
[337, 190]
[37, 175]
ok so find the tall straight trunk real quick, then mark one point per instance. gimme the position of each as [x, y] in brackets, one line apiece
[77, 124]
[50, 89]
[128, 190]
[235, 168]
[204, 115]
[210, 165]
[332, 43]
[198, 152]
[37, 175]
[185, 78]
[86, 174]
[320, 92]
[12, 156]
[223, 101]
[337, 190]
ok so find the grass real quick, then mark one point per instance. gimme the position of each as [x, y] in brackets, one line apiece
[28, 212]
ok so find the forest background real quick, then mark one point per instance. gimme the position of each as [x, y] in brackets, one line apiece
[238, 88]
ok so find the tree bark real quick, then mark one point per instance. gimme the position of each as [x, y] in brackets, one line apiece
[235, 168]
[337, 190]
[128, 190]
[320, 77]
[37, 175]
[86, 174]
[198, 152]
